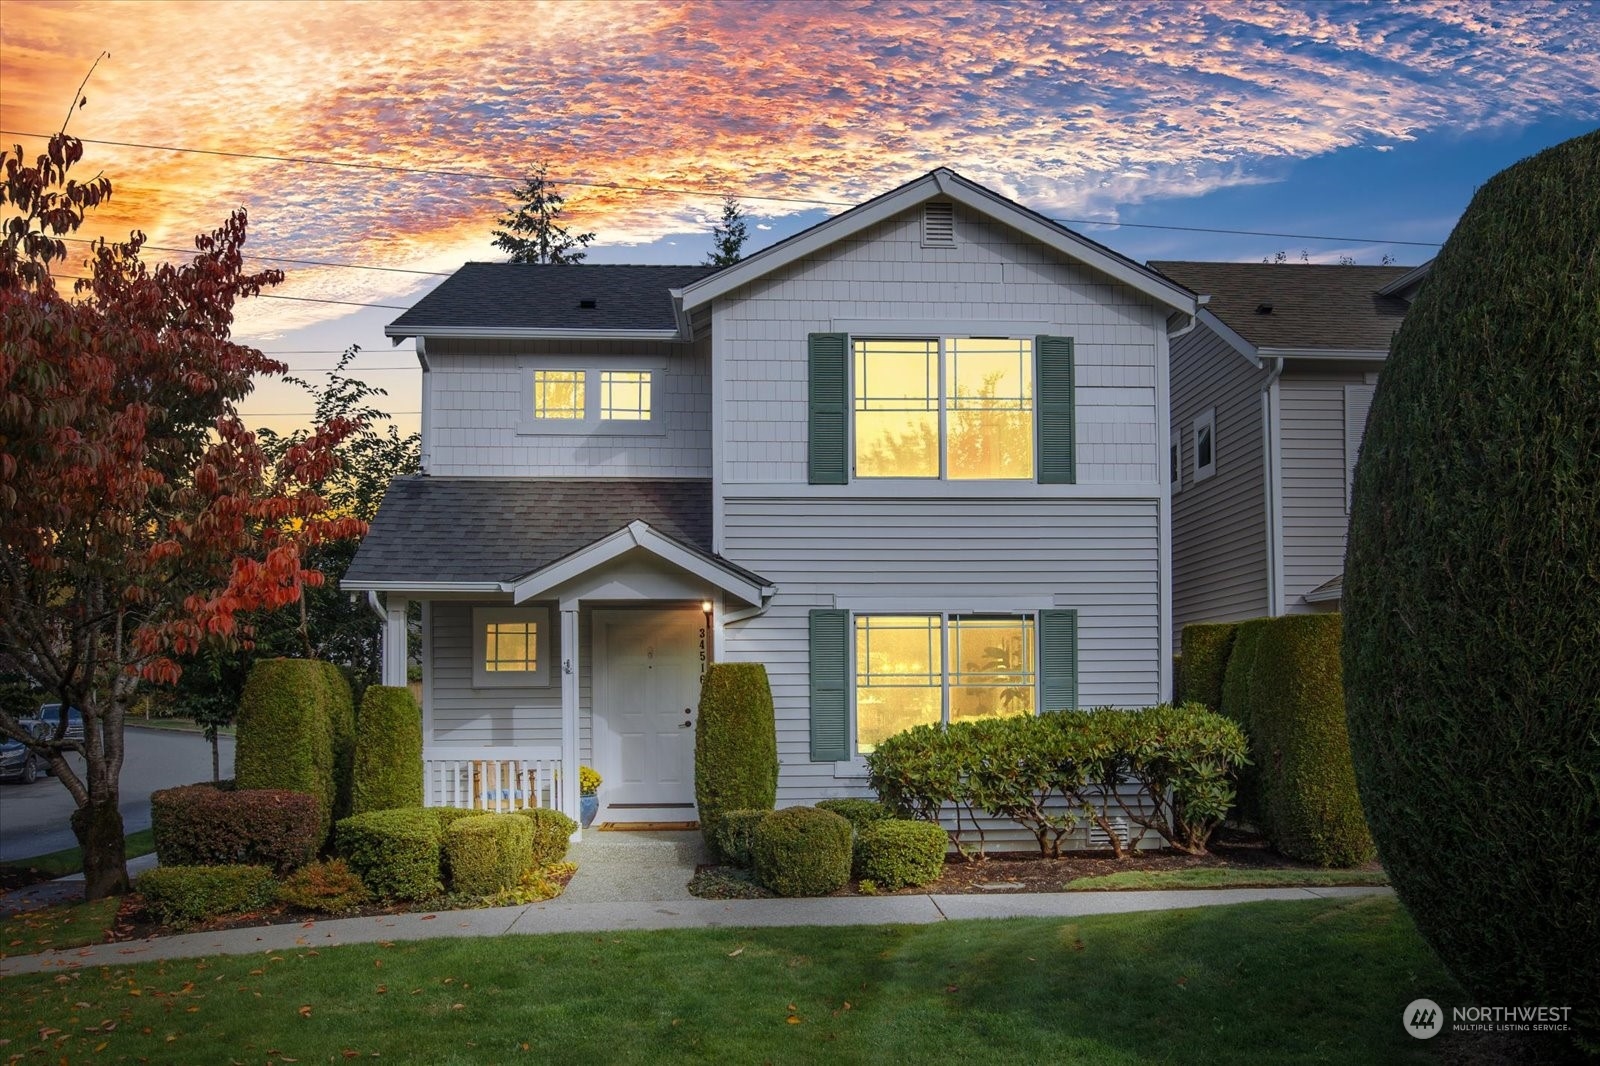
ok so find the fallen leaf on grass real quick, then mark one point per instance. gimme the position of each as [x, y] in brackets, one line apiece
[793, 1019]
[457, 1006]
[382, 989]
[735, 953]
[305, 1012]
[101, 1046]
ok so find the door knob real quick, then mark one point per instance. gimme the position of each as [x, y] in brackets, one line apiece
[686, 725]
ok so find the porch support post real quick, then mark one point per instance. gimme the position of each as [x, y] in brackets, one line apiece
[395, 641]
[569, 709]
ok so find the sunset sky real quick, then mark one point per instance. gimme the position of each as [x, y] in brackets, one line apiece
[1330, 120]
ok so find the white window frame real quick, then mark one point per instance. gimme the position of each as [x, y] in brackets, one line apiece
[941, 338]
[482, 617]
[857, 756]
[1207, 422]
[591, 424]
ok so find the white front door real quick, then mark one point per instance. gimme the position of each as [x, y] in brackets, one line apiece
[646, 689]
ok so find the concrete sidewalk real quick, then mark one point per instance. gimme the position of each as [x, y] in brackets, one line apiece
[559, 916]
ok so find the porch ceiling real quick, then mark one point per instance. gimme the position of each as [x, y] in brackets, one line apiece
[436, 533]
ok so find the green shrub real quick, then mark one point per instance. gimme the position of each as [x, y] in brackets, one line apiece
[801, 851]
[445, 817]
[917, 772]
[341, 711]
[896, 853]
[325, 887]
[732, 838]
[212, 825]
[388, 751]
[858, 812]
[395, 853]
[1206, 646]
[285, 737]
[1238, 697]
[552, 834]
[735, 743]
[1181, 761]
[188, 895]
[489, 853]
[1301, 746]
[1472, 616]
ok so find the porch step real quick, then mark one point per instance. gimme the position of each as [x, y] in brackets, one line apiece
[647, 827]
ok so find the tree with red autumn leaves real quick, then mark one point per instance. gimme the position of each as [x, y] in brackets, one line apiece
[139, 518]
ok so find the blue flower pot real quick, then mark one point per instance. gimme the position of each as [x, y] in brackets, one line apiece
[588, 807]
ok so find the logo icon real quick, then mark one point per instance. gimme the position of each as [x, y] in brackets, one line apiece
[1423, 1019]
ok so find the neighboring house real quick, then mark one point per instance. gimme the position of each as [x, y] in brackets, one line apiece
[911, 459]
[1269, 402]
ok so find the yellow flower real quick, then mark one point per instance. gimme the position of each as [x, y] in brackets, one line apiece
[588, 781]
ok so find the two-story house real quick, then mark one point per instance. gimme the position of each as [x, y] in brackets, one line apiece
[1269, 403]
[912, 459]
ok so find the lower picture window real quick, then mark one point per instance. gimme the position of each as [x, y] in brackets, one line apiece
[930, 668]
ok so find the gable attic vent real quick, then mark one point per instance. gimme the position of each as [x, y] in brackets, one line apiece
[938, 225]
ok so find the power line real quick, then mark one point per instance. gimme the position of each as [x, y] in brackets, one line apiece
[283, 259]
[307, 414]
[312, 161]
[274, 296]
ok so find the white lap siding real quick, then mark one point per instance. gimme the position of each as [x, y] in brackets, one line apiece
[1098, 557]
[460, 714]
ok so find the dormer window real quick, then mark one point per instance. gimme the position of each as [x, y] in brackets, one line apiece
[592, 399]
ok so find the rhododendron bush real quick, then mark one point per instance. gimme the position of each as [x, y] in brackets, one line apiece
[140, 519]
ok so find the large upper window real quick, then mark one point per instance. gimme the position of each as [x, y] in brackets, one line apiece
[925, 669]
[558, 394]
[959, 408]
[625, 395]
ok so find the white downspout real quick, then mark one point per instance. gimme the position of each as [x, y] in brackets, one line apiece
[1272, 445]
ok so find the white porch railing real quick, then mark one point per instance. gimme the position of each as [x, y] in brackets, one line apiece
[492, 778]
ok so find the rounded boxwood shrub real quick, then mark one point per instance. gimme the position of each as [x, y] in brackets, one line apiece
[188, 895]
[210, 825]
[1206, 646]
[395, 853]
[284, 736]
[552, 834]
[1471, 613]
[487, 854]
[735, 744]
[388, 751]
[732, 838]
[325, 887]
[858, 812]
[1300, 745]
[340, 708]
[801, 851]
[896, 853]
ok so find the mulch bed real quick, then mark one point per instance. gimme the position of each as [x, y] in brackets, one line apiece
[1016, 871]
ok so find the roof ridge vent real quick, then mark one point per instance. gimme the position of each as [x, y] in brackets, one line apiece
[938, 224]
[588, 305]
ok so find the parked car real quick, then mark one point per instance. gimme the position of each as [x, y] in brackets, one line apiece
[17, 761]
[50, 715]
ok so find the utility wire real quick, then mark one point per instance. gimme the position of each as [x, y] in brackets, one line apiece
[663, 190]
[274, 296]
[282, 259]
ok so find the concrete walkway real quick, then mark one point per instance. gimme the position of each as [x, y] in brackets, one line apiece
[565, 916]
[617, 867]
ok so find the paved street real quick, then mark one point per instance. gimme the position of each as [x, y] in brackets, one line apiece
[33, 818]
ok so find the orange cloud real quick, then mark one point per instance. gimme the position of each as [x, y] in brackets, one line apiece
[1078, 108]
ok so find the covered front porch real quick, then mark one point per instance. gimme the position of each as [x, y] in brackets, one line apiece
[593, 658]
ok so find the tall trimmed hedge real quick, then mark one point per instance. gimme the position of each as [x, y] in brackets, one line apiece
[213, 825]
[388, 751]
[1283, 688]
[341, 712]
[1473, 610]
[735, 744]
[1206, 646]
[285, 737]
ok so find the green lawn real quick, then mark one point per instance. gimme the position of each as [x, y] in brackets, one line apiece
[1302, 982]
[1227, 877]
[70, 860]
[57, 927]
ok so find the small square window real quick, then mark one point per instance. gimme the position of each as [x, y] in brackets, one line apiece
[625, 395]
[510, 647]
[558, 394]
[1205, 445]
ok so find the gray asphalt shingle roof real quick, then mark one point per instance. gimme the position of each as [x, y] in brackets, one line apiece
[1313, 306]
[467, 529]
[540, 296]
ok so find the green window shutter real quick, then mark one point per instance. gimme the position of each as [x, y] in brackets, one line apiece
[1058, 660]
[830, 686]
[1054, 382]
[828, 395]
